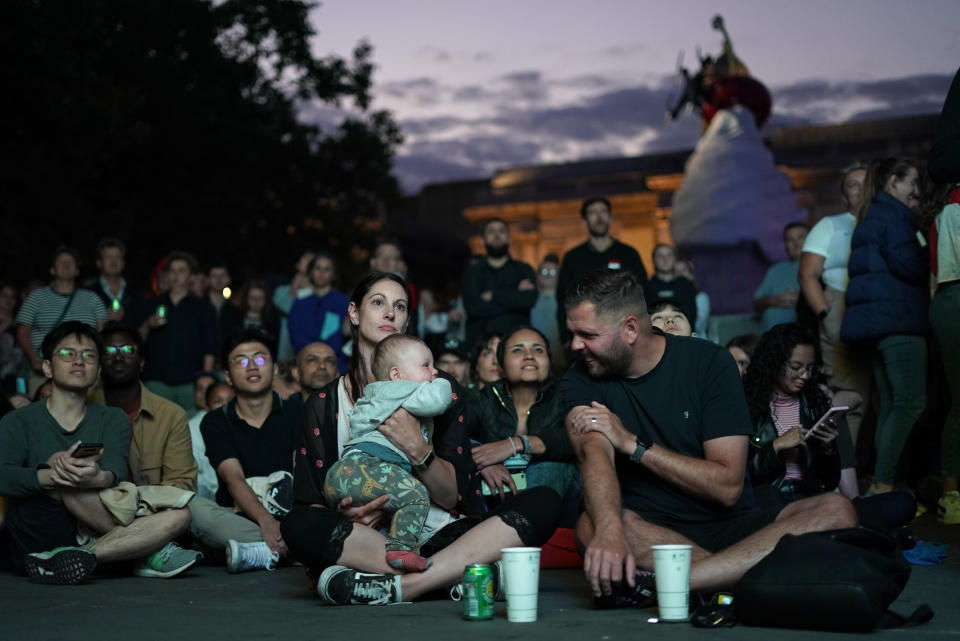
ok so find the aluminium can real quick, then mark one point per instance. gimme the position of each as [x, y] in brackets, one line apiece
[477, 592]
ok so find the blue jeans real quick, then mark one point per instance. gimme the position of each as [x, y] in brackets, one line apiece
[900, 371]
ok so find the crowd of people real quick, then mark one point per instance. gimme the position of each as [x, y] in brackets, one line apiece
[384, 439]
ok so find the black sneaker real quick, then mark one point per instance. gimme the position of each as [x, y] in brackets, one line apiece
[642, 596]
[339, 585]
[60, 566]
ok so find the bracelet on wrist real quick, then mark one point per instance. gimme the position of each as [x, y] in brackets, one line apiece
[513, 445]
[526, 443]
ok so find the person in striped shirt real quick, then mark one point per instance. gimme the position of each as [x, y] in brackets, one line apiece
[47, 307]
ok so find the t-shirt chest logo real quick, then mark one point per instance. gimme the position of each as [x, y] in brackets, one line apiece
[613, 264]
[686, 414]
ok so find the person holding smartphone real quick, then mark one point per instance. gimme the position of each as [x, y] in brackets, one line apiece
[793, 454]
[55, 457]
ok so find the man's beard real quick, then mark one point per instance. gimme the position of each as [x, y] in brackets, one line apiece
[498, 251]
[613, 363]
[595, 232]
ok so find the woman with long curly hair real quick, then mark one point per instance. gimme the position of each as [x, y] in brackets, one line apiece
[786, 397]
[785, 401]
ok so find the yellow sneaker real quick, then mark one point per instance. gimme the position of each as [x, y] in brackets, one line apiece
[948, 508]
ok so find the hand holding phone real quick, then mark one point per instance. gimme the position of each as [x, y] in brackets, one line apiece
[86, 450]
[831, 416]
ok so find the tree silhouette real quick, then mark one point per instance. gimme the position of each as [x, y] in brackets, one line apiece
[173, 124]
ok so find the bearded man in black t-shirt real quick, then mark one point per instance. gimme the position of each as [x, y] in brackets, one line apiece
[660, 425]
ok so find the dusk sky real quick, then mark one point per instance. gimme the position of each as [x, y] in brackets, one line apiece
[483, 86]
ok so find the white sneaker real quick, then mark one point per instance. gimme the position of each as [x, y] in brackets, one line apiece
[250, 556]
[948, 508]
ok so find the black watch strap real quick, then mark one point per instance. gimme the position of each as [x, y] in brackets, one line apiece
[425, 463]
[639, 452]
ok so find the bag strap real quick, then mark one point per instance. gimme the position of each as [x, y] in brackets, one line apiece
[66, 308]
[891, 619]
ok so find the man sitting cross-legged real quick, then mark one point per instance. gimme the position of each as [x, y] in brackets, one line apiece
[251, 436]
[53, 487]
[660, 425]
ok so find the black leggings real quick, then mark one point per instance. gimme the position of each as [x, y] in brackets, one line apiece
[315, 536]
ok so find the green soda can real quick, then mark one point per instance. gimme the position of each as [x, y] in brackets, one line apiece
[477, 592]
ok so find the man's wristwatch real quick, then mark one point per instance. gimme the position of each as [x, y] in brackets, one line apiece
[638, 453]
[425, 463]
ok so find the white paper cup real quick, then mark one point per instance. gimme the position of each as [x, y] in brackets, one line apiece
[521, 582]
[671, 567]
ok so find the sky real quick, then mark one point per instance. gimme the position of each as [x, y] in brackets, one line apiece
[482, 86]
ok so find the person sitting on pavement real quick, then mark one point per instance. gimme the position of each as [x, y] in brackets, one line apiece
[341, 545]
[667, 315]
[316, 366]
[521, 415]
[251, 436]
[486, 367]
[55, 458]
[660, 426]
[217, 395]
[787, 395]
[741, 348]
[405, 377]
[160, 447]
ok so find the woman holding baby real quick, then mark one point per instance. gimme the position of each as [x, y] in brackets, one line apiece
[340, 542]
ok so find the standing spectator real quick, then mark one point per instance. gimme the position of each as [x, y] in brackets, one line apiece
[180, 336]
[498, 291]
[256, 309]
[285, 295]
[685, 270]
[944, 317]
[47, 307]
[601, 250]
[227, 314]
[320, 316]
[887, 301]
[11, 356]
[823, 280]
[667, 284]
[543, 315]
[112, 288]
[776, 298]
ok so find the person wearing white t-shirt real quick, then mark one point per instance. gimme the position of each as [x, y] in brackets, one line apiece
[823, 281]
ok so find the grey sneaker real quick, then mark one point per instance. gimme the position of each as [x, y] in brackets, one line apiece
[339, 585]
[60, 566]
[250, 556]
[168, 561]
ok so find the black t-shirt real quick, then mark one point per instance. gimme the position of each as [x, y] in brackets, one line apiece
[175, 350]
[260, 451]
[584, 259]
[679, 289]
[693, 395]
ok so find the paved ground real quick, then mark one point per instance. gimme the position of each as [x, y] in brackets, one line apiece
[209, 604]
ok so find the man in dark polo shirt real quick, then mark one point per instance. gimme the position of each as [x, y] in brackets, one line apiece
[660, 425]
[180, 335]
[601, 250]
[251, 436]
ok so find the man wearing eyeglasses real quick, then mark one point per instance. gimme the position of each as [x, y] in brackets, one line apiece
[251, 436]
[160, 447]
[56, 456]
[600, 251]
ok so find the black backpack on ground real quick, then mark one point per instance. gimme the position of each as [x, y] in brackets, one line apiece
[842, 580]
